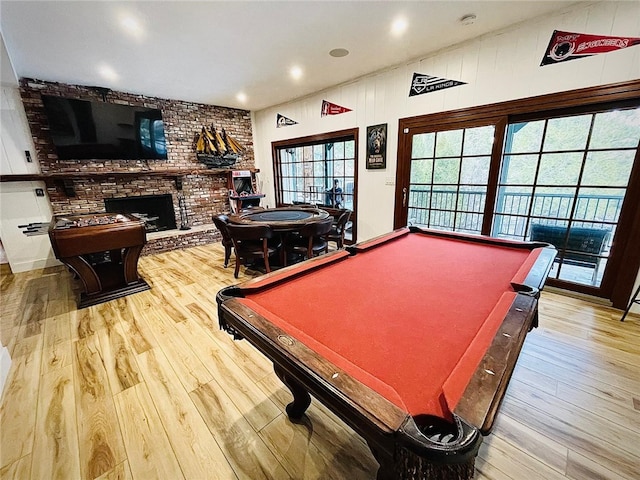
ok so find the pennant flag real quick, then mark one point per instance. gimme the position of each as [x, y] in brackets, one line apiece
[565, 46]
[426, 84]
[329, 108]
[282, 121]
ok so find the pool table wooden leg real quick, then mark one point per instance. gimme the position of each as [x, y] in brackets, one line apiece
[386, 470]
[301, 398]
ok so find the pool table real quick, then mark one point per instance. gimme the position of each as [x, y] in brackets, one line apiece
[410, 338]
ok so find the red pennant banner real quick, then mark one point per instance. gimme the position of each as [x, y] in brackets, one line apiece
[565, 46]
[329, 108]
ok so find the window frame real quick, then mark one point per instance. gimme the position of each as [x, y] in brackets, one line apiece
[351, 134]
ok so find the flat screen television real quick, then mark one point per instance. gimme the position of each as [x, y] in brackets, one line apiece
[94, 130]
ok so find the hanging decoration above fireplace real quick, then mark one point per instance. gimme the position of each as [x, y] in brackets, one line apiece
[217, 149]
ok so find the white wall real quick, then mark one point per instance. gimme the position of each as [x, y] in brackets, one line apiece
[18, 201]
[19, 204]
[15, 136]
[497, 67]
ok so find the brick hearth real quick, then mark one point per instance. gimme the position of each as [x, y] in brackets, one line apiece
[175, 239]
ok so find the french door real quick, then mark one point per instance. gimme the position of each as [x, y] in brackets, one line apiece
[567, 177]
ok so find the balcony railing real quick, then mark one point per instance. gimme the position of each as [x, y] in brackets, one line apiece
[463, 210]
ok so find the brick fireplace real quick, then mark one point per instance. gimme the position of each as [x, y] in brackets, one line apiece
[92, 183]
[155, 210]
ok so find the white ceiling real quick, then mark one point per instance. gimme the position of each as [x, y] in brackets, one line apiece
[209, 51]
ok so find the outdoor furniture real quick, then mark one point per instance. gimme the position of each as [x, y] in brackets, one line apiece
[633, 300]
[582, 247]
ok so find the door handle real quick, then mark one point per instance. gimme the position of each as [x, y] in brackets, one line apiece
[404, 197]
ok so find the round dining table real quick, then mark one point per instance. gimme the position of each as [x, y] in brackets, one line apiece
[285, 221]
[282, 219]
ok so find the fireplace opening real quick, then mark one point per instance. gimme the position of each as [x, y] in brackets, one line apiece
[155, 210]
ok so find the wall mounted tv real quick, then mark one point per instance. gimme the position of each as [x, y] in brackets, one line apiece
[94, 130]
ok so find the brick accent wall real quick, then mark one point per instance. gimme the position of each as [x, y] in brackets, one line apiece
[205, 195]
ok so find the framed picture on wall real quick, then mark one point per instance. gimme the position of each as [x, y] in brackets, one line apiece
[377, 146]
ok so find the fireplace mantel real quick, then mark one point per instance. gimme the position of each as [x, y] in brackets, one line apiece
[65, 179]
[30, 177]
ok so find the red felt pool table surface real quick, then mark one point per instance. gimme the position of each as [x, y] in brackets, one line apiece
[410, 317]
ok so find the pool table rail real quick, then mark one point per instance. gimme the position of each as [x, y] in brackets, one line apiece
[381, 423]
[290, 272]
[535, 280]
[483, 394]
[537, 276]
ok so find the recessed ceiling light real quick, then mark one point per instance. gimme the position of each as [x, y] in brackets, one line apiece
[295, 72]
[108, 73]
[131, 25]
[339, 52]
[399, 26]
[469, 19]
[241, 97]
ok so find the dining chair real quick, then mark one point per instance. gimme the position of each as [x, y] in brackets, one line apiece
[221, 222]
[338, 228]
[251, 242]
[311, 239]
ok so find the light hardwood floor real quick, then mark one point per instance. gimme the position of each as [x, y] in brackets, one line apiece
[148, 387]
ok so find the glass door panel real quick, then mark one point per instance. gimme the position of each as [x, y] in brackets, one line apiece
[448, 178]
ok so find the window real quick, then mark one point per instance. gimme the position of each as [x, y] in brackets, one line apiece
[449, 174]
[570, 173]
[318, 170]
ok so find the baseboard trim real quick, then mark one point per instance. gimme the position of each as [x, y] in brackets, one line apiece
[33, 265]
[581, 296]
